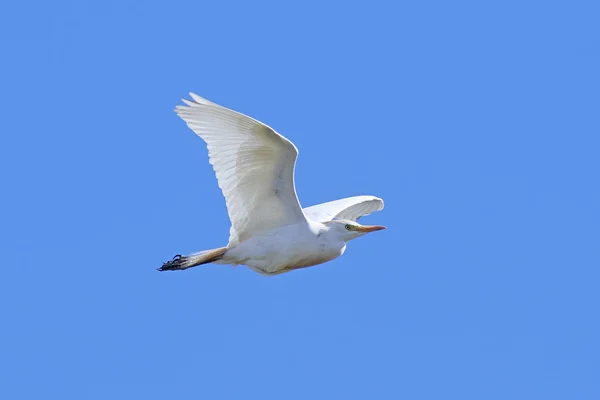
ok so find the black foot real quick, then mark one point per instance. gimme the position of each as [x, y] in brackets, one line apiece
[174, 265]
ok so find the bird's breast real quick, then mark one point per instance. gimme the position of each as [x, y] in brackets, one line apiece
[285, 251]
[310, 256]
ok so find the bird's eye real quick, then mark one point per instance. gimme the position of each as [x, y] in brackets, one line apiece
[348, 227]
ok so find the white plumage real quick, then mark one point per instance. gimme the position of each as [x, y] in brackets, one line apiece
[270, 232]
[351, 208]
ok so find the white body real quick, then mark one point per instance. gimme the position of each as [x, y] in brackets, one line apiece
[270, 232]
[287, 248]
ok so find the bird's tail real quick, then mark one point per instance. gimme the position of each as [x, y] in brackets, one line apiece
[180, 262]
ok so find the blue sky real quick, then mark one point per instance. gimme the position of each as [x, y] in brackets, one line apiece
[476, 122]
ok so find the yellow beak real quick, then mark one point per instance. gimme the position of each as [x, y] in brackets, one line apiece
[370, 228]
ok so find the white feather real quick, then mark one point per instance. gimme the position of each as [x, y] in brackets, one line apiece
[351, 208]
[254, 167]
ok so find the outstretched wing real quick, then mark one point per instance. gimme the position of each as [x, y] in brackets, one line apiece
[351, 208]
[254, 167]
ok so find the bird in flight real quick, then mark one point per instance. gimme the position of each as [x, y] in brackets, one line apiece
[270, 232]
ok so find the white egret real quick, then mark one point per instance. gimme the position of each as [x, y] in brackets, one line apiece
[270, 232]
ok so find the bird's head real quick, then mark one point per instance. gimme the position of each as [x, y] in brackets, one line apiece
[348, 230]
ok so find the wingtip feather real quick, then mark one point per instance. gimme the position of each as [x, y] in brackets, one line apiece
[198, 99]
